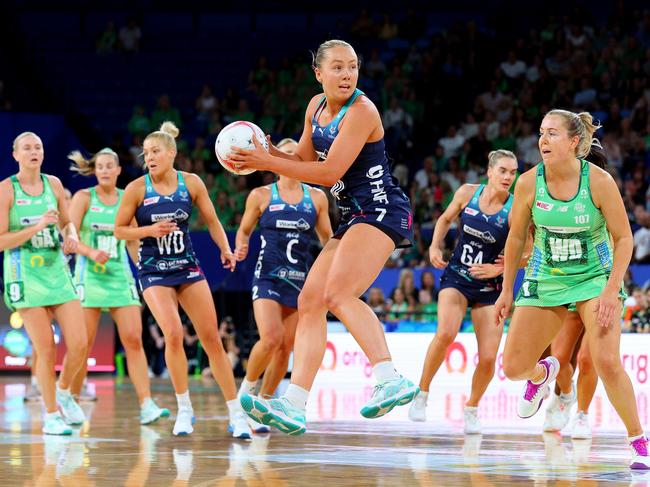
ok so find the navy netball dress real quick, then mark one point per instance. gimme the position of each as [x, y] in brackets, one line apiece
[367, 192]
[284, 259]
[169, 260]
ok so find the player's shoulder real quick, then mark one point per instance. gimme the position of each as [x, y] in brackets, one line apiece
[466, 191]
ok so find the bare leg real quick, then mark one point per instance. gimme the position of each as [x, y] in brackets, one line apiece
[311, 332]
[197, 302]
[488, 338]
[452, 306]
[531, 330]
[268, 316]
[91, 318]
[129, 326]
[163, 303]
[604, 344]
[277, 369]
[70, 317]
[37, 324]
[587, 378]
[562, 348]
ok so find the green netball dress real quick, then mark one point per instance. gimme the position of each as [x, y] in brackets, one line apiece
[572, 253]
[109, 285]
[36, 273]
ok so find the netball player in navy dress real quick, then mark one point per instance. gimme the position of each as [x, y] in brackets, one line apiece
[169, 273]
[342, 146]
[290, 215]
[472, 278]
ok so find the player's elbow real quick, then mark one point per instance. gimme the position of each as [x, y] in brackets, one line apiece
[119, 232]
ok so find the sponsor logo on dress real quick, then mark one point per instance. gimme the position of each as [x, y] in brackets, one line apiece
[30, 220]
[563, 209]
[307, 206]
[178, 216]
[543, 205]
[471, 211]
[300, 225]
[500, 221]
[151, 200]
[102, 226]
[184, 195]
[485, 236]
[273, 293]
[22, 202]
[579, 208]
[154, 278]
[193, 274]
[97, 209]
[278, 207]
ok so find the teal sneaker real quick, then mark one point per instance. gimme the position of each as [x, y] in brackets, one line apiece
[279, 413]
[70, 410]
[389, 394]
[150, 412]
[54, 425]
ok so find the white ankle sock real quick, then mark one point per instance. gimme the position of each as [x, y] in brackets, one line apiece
[183, 400]
[52, 415]
[248, 386]
[146, 403]
[234, 406]
[632, 439]
[297, 396]
[423, 396]
[33, 381]
[385, 371]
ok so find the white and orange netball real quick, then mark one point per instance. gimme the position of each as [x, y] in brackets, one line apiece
[238, 134]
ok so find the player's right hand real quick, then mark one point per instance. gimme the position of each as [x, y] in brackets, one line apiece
[50, 217]
[99, 256]
[502, 307]
[435, 256]
[162, 228]
[241, 252]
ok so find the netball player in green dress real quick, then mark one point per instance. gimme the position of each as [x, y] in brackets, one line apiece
[103, 277]
[37, 279]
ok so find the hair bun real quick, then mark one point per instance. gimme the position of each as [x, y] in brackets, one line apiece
[170, 128]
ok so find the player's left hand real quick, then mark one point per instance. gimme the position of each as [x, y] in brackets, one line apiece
[257, 158]
[70, 245]
[485, 271]
[606, 307]
[228, 260]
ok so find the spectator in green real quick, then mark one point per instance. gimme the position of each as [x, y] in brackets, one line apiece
[165, 112]
[243, 112]
[200, 150]
[107, 41]
[428, 308]
[139, 123]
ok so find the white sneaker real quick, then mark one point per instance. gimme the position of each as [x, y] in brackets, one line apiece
[472, 423]
[239, 426]
[70, 410]
[184, 421]
[56, 426]
[551, 413]
[581, 428]
[564, 407]
[641, 457]
[87, 394]
[533, 394]
[32, 394]
[418, 409]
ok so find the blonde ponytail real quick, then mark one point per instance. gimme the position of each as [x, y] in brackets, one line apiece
[86, 167]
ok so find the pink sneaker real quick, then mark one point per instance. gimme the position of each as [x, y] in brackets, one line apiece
[534, 394]
[640, 460]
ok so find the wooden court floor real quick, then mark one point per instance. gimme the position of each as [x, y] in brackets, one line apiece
[112, 449]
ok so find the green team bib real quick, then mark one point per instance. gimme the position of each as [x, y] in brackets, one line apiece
[108, 285]
[572, 254]
[36, 273]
